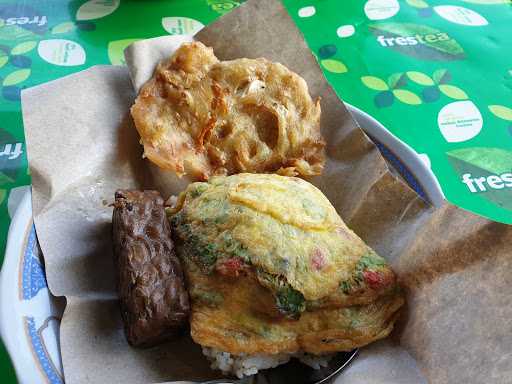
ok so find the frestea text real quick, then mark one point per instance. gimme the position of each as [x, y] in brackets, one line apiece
[482, 184]
[38, 20]
[412, 40]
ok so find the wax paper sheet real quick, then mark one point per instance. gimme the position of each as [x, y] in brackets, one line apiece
[455, 267]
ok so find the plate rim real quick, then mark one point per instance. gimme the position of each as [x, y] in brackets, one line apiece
[12, 321]
[408, 156]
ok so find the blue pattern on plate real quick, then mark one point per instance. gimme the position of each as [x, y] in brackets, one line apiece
[401, 169]
[33, 278]
[40, 351]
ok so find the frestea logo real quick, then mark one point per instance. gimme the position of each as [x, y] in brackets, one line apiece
[420, 41]
[486, 171]
[412, 40]
[12, 151]
[482, 184]
[37, 20]
[24, 16]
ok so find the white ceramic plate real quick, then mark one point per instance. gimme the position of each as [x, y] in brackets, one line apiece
[30, 315]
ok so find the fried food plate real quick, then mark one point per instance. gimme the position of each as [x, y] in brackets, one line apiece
[30, 315]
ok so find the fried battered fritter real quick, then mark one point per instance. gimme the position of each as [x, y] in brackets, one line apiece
[203, 117]
[271, 268]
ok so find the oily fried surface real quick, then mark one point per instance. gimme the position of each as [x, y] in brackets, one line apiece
[371, 278]
[203, 117]
[271, 268]
[282, 225]
[231, 315]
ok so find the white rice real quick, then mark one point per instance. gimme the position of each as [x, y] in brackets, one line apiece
[314, 361]
[247, 365]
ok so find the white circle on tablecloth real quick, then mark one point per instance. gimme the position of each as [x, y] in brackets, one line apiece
[345, 31]
[461, 15]
[307, 11]
[460, 121]
[381, 9]
[61, 52]
[181, 25]
[95, 9]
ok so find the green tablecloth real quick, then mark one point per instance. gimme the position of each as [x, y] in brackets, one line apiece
[437, 73]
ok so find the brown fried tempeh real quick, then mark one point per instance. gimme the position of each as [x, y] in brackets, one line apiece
[154, 301]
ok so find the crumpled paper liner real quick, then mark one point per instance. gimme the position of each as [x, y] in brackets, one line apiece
[455, 266]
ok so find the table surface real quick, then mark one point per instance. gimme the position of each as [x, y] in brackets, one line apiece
[436, 73]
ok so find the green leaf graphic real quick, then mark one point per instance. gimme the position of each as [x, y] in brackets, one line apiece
[375, 83]
[420, 78]
[4, 179]
[14, 33]
[334, 66]
[327, 50]
[407, 97]
[417, 3]
[419, 41]
[488, 2]
[493, 160]
[16, 77]
[430, 94]
[116, 50]
[3, 60]
[3, 195]
[222, 6]
[501, 111]
[65, 27]
[23, 47]
[10, 168]
[453, 92]
[442, 76]
[95, 9]
[397, 80]
[384, 99]
[485, 162]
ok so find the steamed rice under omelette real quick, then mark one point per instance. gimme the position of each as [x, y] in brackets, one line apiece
[273, 269]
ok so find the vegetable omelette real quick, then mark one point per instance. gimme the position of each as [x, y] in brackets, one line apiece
[272, 268]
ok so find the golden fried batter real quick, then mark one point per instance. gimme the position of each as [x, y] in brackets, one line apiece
[284, 225]
[203, 117]
[230, 315]
[272, 268]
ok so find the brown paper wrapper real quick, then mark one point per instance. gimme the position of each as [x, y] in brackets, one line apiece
[455, 266]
